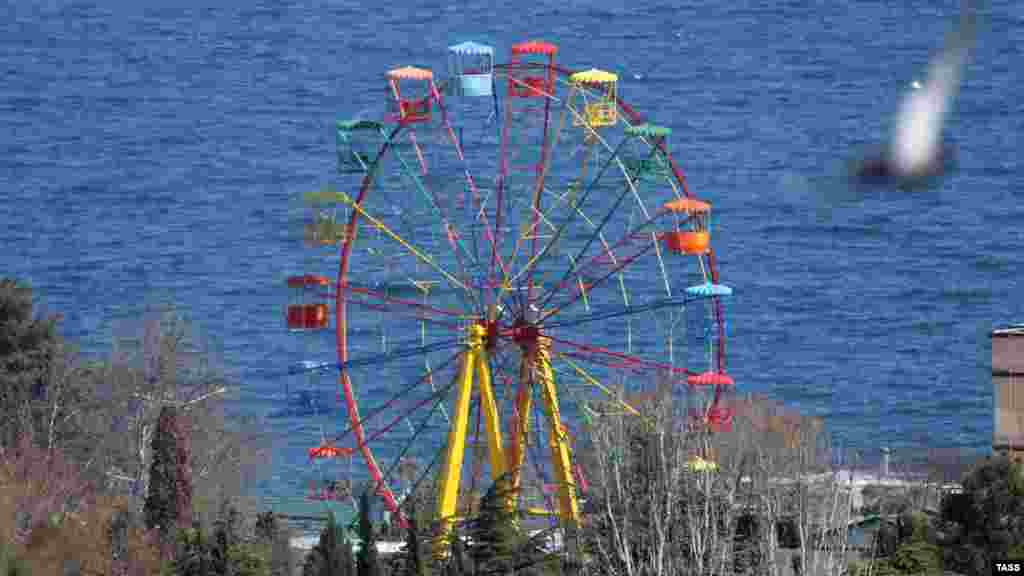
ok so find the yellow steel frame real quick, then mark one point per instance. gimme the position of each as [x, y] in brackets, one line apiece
[535, 368]
[473, 360]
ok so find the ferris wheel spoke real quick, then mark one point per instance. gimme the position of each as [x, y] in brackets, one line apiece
[428, 375]
[583, 351]
[595, 383]
[437, 397]
[531, 231]
[596, 283]
[416, 252]
[399, 354]
[474, 191]
[629, 188]
[576, 210]
[458, 247]
[580, 271]
[620, 311]
[425, 312]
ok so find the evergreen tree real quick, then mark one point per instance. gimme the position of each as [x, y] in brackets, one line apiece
[117, 532]
[27, 350]
[457, 561]
[497, 547]
[367, 558]
[332, 555]
[281, 555]
[193, 554]
[267, 527]
[413, 555]
[225, 541]
[989, 514]
[168, 502]
[747, 553]
[348, 557]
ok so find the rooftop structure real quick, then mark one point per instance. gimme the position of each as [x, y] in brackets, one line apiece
[1008, 390]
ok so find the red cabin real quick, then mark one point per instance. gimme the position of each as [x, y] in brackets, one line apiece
[304, 313]
[712, 396]
[526, 78]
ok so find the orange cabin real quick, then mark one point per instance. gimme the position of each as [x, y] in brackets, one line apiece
[691, 235]
[303, 314]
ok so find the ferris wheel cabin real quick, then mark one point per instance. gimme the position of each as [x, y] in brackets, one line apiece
[406, 109]
[712, 400]
[532, 70]
[651, 167]
[598, 90]
[323, 226]
[470, 69]
[691, 235]
[304, 312]
[356, 142]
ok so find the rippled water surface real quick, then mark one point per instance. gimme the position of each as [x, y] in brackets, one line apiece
[152, 152]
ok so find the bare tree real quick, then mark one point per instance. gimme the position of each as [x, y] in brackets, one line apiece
[160, 363]
[653, 511]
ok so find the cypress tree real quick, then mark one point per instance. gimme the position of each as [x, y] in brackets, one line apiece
[496, 545]
[332, 555]
[413, 555]
[27, 349]
[225, 539]
[367, 558]
[163, 506]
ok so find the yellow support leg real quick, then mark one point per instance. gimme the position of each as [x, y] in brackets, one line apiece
[490, 415]
[451, 473]
[558, 441]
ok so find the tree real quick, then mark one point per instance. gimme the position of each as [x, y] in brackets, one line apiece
[747, 552]
[332, 554]
[281, 555]
[193, 557]
[495, 534]
[366, 560]
[411, 556]
[267, 526]
[990, 522]
[169, 501]
[160, 361]
[650, 512]
[225, 540]
[271, 534]
[27, 350]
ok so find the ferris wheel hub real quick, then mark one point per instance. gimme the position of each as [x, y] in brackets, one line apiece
[524, 333]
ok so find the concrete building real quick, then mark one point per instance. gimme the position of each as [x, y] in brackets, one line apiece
[1008, 390]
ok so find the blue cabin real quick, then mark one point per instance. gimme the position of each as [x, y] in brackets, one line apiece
[707, 290]
[471, 69]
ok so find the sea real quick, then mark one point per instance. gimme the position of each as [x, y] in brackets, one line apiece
[153, 151]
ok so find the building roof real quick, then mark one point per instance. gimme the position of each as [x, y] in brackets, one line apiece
[1011, 330]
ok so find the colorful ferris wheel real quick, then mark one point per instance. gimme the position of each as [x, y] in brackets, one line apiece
[502, 250]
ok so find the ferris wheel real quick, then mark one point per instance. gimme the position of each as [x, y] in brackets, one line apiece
[506, 247]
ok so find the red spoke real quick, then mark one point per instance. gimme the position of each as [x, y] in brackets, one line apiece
[626, 359]
[401, 301]
[605, 257]
[579, 293]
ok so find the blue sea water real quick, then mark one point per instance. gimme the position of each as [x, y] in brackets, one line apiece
[152, 152]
